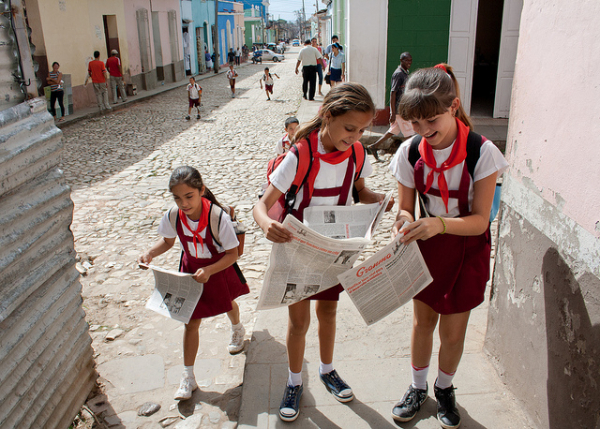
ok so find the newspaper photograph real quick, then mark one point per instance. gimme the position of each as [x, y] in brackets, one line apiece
[387, 280]
[346, 221]
[307, 265]
[175, 294]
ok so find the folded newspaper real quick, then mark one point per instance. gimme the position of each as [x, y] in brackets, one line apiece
[387, 280]
[175, 294]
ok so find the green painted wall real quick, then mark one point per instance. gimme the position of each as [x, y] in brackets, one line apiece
[420, 27]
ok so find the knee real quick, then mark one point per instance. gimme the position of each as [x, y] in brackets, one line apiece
[298, 326]
[192, 326]
[424, 326]
[326, 314]
[453, 340]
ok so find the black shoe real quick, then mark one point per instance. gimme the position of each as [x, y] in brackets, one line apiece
[311, 99]
[304, 96]
[337, 387]
[447, 413]
[197, 116]
[290, 404]
[411, 402]
[187, 117]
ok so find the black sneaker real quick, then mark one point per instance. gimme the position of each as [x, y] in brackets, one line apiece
[411, 402]
[187, 117]
[337, 387]
[197, 116]
[447, 413]
[290, 404]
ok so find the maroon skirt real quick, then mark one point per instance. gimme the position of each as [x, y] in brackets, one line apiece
[220, 289]
[331, 294]
[460, 267]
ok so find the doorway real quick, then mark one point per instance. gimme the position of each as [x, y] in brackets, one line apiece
[487, 52]
[111, 33]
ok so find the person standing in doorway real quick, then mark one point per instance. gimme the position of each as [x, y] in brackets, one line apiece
[309, 57]
[97, 72]
[397, 124]
[113, 65]
[56, 91]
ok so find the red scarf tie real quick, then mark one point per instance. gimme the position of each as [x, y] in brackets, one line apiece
[458, 155]
[202, 223]
[334, 157]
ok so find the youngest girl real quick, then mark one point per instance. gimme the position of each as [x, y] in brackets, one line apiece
[210, 259]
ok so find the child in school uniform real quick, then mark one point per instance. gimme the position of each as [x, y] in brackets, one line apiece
[194, 93]
[212, 260]
[285, 142]
[455, 171]
[231, 75]
[268, 79]
[346, 112]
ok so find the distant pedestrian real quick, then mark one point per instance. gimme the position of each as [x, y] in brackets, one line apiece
[208, 60]
[113, 65]
[231, 57]
[268, 79]
[231, 75]
[320, 66]
[285, 142]
[309, 57]
[97, 72]
[327, 52]
[238, 56]
[453, 232]
[57, 92]
[194, 95]
[211, 260]
[397, 124]
[337, 65]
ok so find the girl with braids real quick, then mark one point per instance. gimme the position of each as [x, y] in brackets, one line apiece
[453, 171]
[333, 134]
[211, 260]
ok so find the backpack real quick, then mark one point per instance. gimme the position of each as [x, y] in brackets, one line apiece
[303, 151]
[474, 142]
[214, 222]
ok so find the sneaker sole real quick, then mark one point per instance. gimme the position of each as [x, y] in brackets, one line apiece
[445, 426]
[289, 418]
[402, 419]
[235, 352]
[342, 399]
[182, 398]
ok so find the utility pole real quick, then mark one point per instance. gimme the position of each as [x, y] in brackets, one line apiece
[303, 22]
[216, 38]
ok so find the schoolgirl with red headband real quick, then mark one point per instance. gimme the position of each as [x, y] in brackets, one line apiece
[450, 172]
[211, 259]
[333, 134]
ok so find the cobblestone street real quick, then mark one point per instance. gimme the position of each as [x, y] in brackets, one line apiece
[118, 167]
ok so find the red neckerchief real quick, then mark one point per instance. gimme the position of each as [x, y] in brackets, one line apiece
[458, 155]
[286, 144]
[334, 157]
[202, 223]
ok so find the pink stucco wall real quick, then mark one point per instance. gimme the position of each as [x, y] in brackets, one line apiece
[555, 113]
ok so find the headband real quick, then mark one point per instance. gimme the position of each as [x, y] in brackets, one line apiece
[441, 67]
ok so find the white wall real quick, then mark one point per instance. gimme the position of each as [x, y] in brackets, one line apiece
[366, 44]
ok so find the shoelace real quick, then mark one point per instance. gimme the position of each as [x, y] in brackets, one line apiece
[338, 382]
[290, 397]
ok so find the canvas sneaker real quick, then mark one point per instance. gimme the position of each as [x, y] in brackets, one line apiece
[447, 413]
[411, 402]
[236, 344]
[337, 387]
[187, 117]
[290, 404]
[186, 387]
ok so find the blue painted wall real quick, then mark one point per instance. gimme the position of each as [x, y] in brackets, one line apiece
[203, 18]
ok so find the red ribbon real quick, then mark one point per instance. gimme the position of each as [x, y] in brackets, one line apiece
[458, 155]
[202, 223]
[335, 157]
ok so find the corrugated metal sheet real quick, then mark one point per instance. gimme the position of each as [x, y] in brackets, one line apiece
[46, 365]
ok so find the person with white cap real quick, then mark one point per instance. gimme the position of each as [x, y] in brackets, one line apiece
[113, 65]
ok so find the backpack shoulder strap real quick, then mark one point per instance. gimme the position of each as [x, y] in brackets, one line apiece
[174, 216]
[474, 142]
[303, 152]
[359, 155]
[214, 221]
[413, 151]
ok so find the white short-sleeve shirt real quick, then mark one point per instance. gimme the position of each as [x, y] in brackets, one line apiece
[309, 55]
[227, 235]
[194, 90]
[330, 176]
[490, 161]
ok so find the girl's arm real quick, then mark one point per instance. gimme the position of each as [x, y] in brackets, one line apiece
[273, 230]
[366, 196]
[474, 224]
[161, 246]
[203, 274]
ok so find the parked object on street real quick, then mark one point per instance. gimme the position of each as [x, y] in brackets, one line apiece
[295, 42]
[257, 57]
[269, 55]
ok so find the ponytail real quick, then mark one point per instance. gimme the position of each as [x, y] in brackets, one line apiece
[211, 197]
[460, 113]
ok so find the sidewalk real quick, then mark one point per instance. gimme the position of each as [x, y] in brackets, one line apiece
[374, 360]
[93, 111]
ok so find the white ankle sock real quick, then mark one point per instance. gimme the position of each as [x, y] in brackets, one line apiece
[294, 378]
[237, 327]
[444, 379]
[188, 371]
[419, 377]
[325, 368]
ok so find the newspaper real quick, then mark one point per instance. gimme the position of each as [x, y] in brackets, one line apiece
[346, 221]
[175, 294]
[307, 265]
[387, 280]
